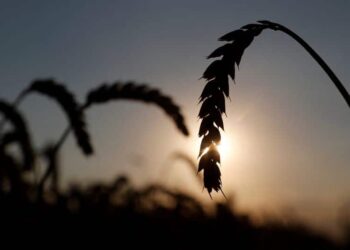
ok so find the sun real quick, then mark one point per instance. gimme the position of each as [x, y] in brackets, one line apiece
[226, 146]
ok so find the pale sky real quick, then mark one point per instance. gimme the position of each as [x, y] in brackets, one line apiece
[287, 124]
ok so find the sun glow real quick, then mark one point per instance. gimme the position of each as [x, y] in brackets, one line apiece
[226, 147]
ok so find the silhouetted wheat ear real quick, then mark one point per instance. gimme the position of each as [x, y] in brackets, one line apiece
[72, 109]
[213, 99]
[137, 92]
[20, 133]
[217, 87]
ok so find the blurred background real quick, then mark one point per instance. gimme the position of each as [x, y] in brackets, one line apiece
[286, 140]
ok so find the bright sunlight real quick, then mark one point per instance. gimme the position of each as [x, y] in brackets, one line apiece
[227, 147]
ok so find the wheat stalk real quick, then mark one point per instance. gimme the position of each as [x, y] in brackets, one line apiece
[217, 87]
[50, 153]
[278, 27]
[116, 91]
[76, 117]
[19, 134]
[131, 91]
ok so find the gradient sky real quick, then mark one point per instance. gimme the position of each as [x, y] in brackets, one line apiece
[287, 123]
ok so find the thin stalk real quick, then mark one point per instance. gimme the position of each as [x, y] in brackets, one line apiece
[318, 59]
[66, 132]
[57, 147]
[50, 168]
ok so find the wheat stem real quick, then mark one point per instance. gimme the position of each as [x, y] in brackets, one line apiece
[50, 169]
[318, 59]
[117, 91]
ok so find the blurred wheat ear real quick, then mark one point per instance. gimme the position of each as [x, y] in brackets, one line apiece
[131, 91]
[217, 88]
[19, 134]
[137, 92]
[70, 106]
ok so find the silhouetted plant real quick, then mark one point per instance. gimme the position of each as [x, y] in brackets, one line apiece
[137, 92]
[132, 91]
[75, 114]
[129, 91]
[10, 173]
[66, 99]
[19, 134]
[217, 87]
[50, 154]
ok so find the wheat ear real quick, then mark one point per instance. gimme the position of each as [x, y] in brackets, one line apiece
[70, 106]
[137, 92]
[217, 87]
[19, 134]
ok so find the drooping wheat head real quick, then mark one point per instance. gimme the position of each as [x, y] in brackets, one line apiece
[217, 88]
[213, 100]
[138, 92]
[70, 106]
[19, 134]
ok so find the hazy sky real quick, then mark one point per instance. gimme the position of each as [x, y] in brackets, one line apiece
[287, 124]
